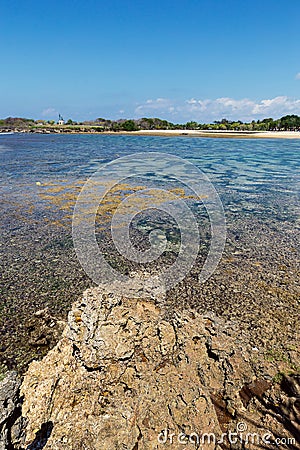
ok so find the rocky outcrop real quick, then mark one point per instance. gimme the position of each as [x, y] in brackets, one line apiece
[11, 422]
[120, 375]
[130, 374]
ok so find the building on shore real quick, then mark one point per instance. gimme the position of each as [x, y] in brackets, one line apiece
[60, 120]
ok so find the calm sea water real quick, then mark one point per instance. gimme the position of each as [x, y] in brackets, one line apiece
[258, 182]
[250, 169]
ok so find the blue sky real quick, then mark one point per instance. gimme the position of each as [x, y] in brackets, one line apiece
[196, 60]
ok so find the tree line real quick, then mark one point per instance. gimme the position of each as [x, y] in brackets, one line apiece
[286, 123]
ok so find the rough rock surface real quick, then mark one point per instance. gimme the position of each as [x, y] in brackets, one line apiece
[10, 411]
[128, 374]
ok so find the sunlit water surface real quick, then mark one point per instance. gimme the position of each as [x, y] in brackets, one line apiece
[41, 175]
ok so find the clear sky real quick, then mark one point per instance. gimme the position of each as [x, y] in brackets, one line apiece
[195, 60]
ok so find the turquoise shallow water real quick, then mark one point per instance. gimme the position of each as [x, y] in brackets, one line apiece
[254, 167]
[258, 182]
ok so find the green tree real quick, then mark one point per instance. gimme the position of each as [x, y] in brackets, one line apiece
[129, 125]
[192, 125]
[290, 122]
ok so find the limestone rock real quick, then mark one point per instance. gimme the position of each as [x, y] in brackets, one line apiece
[128, 374]
[10, 410]
[120, 375]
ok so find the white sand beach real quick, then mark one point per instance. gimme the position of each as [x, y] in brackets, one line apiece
[220, 134]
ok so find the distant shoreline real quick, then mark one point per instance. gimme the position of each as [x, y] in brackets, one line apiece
[216, 134]
[173, 133]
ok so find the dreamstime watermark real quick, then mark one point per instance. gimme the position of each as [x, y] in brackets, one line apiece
[239, 436]
[160, 168]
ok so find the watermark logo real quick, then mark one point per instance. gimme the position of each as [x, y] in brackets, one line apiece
[154, 171]
[240, 436]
